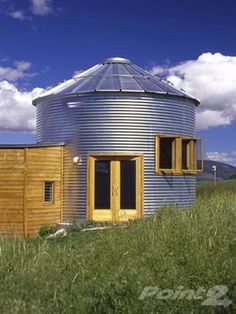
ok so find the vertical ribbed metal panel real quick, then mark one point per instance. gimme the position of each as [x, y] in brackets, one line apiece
[117, 122]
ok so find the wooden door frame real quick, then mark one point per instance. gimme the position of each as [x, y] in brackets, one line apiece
[91, 157]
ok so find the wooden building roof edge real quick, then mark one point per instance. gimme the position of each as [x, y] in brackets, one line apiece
[30, 145]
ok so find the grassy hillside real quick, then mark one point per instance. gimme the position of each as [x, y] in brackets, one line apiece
[107, 271]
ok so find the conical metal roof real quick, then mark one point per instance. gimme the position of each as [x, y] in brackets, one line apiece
[116, 75]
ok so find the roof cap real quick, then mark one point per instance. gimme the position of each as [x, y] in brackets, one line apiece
[116, 60]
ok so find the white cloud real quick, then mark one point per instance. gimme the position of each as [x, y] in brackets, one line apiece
[211, 118]
[14, 73]
[17, 112]
[35, 8]
[212, 79]
[229, 158]
[18, 15]
[42, 7]
[23, 65]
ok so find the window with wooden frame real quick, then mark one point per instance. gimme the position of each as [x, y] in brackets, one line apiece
[48, 192]
[178, 155]
[199, 154]
[188, 156]
[167, 154]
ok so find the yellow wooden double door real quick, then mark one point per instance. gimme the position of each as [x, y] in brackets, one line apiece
[114, 187]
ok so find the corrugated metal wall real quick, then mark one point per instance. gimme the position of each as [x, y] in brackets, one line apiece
[117, 122]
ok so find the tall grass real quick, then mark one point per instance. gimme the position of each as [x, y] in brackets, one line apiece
[106, 271]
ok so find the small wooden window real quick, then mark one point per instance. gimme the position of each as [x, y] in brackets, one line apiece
[178, 155]
[167, 154]
[48, 192]
[199, 154]
[186, 154]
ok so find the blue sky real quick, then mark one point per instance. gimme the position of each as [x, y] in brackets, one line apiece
[192, 43]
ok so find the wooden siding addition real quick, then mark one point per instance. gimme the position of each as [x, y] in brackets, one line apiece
[23, 172]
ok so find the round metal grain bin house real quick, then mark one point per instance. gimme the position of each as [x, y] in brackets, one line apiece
[130, 145]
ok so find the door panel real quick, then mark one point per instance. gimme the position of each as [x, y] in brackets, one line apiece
[132, 182]
[127, 184]
[114, 187]
[102, 184]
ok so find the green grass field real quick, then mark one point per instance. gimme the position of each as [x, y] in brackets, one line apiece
[110, 271]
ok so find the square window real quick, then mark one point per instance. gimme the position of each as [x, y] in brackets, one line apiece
[167, 153]
[187, 154]
[199, 154]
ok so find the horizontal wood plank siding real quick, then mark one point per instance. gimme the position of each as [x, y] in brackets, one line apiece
[11, 191]
[43, 164]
